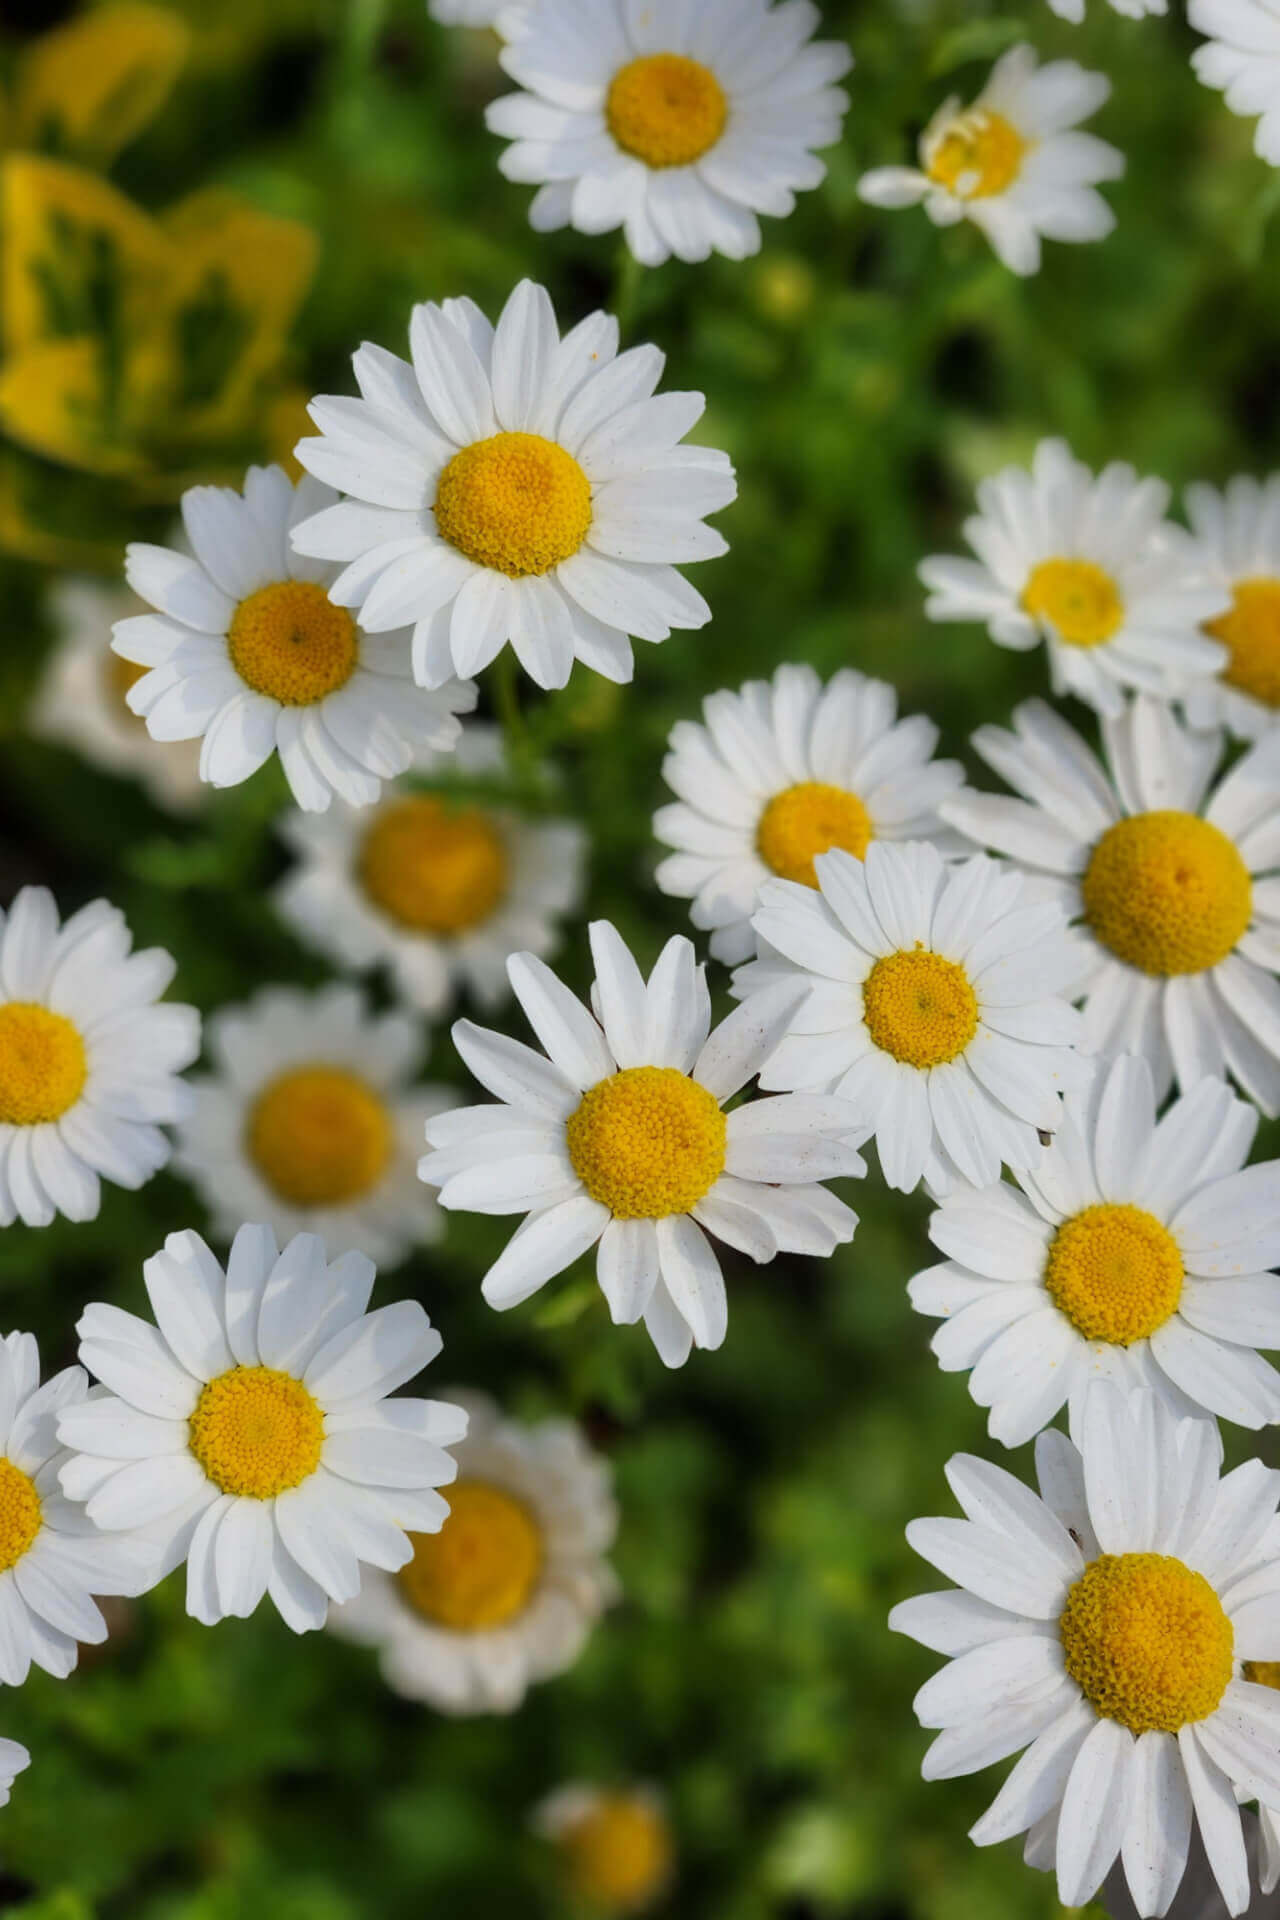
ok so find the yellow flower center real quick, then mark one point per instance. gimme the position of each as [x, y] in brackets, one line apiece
[1115, 1272]
[1167, 892]
[979, 154]
[1263, 1673]
[619, 1854]
[1250, 631]
[810, 819]
[516, 503]
[291, 643]
[1078, 600]
[1147, 1641]
[647, 1142]
[43, 1065]
[432, 868]
[919, 1007]
[666, 110]
[319, 1136]
[480, 1570]
[256, 1432]
[19, 1514]
[120, 675]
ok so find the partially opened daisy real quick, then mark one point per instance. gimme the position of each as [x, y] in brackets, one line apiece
[1242, 60]
[780, 771]
[1108, 1627]
[514, 486]
[14, 1759]
[311, 1121]
[931, 1002]
[1090, 567]
[615, 1844]
[678, 124]
[1168, 877]
[618, 1140]
[249, 1432]
[247, 652]
[89, 1062]
[506, 1593]
[1237, 533]
[1137, 1251]
[1015, 162]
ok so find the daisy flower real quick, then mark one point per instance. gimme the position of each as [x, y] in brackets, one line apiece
[310, 1122]
[678, 124]
[616, 1139]
[1109, 1627]
[14, 1759]
[89, 1063]
[1090, 567]
[249, 1432]
[615, 1844]
[1242, 61]
[439, 889]
[1238, 536]
[507, 1591]
[1167, 876]
[1014, 162]
[930, 1003]
[1137, 1251]
[514, 486]
[247, 652]
[783, 770]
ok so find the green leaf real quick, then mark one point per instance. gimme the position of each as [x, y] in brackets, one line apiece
[975, 40]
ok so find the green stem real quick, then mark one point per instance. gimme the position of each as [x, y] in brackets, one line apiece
[627, 278]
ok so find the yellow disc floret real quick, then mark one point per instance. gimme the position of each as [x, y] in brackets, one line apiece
[1115, 1272]
[480, 1570]
[19, 1514]
[433, 868]
[319, 1136]
[978, 154]
[256, 1432]
[810, 819]
[647, 1142]
[618, 1854]
[1250, 631]
[43, 1065]
[1147, 1641]
[1077, 599]
[665, 109]
[1167, 892]
[919, 1007]
[516, 503]
[290, 642]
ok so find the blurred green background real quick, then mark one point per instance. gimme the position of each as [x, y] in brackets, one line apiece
[862, 372]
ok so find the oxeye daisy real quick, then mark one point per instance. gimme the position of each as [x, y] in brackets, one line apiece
[1015, 162]
[89, 1063]
[1242, 61]
[311, 1122]
[247, 652]
[678, 124]
[780, 771]
[507, 1591]
[1166, 875]
[249, 1431]
[617, 1139]
[1238, 536]
[615, 1845]
[930, 1003]
[1137, 1251]
[1109, 1627]
[438, 888]
[514, 486]
[1090, 567]
[14, 1759]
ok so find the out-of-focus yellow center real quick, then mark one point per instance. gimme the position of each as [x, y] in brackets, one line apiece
[618, 1855]
[43, 1066]
[1116, 1272]
[665, 109]
[433, 868]
[1147, 1641]
[1250, 631]
[19, 1514]
[1167, 892]
[290, 642]
[256, 1432]
[979, 154]
[320, 1136]
[810, 819]
[919, 1007]
[120, 675]
[480, 1570]
[647, 1142]
[516, 503]
[1263, 1673]
[1077, 599]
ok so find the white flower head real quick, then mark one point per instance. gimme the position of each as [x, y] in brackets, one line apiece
[247, 652]
[249, 1432]
[680, 124]
[615, 1844]
[514, 486]
[507, 1591]
[616, 1139]
[1110, 1627]
[1237, 534]
[1015, 162]
[1167, 876]
[14, 1759]
[1089, 566]
[89, 1063]
[1242, 61]
[780, 771]
[931, 1004]
[1073, 10]
[311, 1122]
[1138, 1251]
